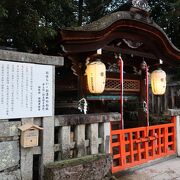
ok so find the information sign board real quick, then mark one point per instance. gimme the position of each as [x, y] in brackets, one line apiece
[25, 90]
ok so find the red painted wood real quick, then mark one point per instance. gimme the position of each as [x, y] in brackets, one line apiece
[139, 145]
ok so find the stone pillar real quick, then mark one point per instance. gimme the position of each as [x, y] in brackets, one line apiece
[176, 113]
[80, 140]
[65, 142]
[105, 135]
[93, 137]
[26, 157]
[47, 143]
[47, 135]
[178, 135]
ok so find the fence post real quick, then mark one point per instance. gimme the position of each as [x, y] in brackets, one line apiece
[176, 113]
[80, 140]
[26, 157]
[93, 137]
[47, 146]
[178, 135]
[65, 142]
[105, 134]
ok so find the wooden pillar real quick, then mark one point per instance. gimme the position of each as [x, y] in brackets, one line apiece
[152, 103]
[159, 104]
[141, 113]
[166, 100]
[172, 97]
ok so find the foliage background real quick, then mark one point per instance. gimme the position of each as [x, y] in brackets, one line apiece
[32, 25]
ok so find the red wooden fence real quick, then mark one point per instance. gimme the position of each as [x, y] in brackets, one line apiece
[131, 147]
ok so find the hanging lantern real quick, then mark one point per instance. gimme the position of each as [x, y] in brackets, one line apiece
[96, 77]
[158, 82]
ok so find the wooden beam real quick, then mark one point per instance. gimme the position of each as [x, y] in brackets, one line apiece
[129, 51]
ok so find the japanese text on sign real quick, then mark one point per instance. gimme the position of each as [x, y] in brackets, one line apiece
[25, 90]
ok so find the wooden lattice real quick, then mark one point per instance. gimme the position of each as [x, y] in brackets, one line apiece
[131, 85]
[113, 84]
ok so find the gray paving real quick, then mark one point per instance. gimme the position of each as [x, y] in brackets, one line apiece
[167, 170]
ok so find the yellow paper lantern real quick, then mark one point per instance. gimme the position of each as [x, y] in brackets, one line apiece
[96, 77]
[158, 82]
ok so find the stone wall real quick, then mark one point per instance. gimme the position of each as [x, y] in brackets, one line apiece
[9, 150]
[92, 167]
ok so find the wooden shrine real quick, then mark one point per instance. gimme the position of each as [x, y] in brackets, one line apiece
[135, 37]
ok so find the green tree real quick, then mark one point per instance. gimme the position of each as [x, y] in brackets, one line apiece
[166, 13]
[31, 25]
[91, 10]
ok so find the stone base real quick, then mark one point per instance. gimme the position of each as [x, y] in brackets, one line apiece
[92, 167]
[13, 175]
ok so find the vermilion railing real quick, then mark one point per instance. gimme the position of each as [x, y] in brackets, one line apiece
[131, 147]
